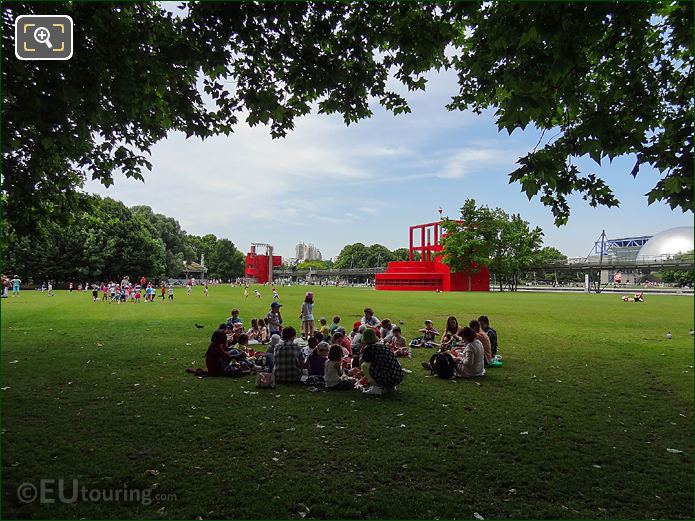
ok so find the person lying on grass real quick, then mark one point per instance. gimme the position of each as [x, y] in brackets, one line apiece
[333, 375]
[289, 360]
[471, 358]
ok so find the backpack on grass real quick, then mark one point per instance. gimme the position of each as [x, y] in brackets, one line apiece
[443, 365]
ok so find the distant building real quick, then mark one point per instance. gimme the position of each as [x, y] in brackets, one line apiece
[304, 252]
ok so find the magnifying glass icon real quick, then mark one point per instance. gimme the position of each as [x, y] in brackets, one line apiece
[43, 35]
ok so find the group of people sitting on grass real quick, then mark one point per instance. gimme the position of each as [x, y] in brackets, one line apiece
[366, 358]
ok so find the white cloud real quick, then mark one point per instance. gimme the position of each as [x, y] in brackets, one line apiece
[472, 160]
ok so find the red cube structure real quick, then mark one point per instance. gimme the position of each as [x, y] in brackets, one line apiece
[260, 267]
[429, 273]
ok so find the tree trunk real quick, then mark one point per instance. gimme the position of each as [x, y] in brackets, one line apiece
[469, 281]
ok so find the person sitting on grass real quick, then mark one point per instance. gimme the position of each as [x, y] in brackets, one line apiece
[385, 331]
[451, 334]
[324, 329]
[369, 319]
[234, 319]
[218, 358]
[343, 341]
[471, 360]
[264, 335]
[254, 332]
[334, 326]
[355, 331]
[491, 334]
[274, 341]
[333, 375]
[429, 334]
[289, 360]
[398, 345]
[484, 340]
[379, 365]
[316, 361]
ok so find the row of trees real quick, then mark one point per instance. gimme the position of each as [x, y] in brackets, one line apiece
[360, 256]
[105, 240]
[503, 242]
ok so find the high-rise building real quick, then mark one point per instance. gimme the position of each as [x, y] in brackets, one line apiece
[307, 252]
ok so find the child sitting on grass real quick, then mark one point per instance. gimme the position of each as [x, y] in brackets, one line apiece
[324, 329]
[334, 325]
[333, 372]
[316, 361]
[398, 345]
[429, 334]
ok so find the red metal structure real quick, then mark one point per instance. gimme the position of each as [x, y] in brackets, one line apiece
[428, 273]
[260, 267]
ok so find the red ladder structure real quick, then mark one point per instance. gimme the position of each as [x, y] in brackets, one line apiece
[428, 273]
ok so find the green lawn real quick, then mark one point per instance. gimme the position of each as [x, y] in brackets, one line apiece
[575, 425]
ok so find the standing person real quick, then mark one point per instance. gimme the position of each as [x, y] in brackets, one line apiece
[16, 282]
[95, 292]
[189, 286]
[491, 334]
[246, 292]
[258, 294]
[307, 315]
[276, 295]
[171, 292]
[206, 290]
[70, 287]
[274, 320]
[50, 289]
[164, 291]
[289, 360]
[5, 286]
[104, 292]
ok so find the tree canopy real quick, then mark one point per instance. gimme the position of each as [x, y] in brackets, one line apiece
[606, 79]
[105, 240]
[505, 243]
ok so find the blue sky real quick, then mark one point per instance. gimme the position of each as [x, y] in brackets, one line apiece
[332, 185]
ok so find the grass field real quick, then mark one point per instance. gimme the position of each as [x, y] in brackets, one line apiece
[575, 425]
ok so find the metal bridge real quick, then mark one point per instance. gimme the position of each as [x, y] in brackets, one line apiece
[579, 264]
[608, 262]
